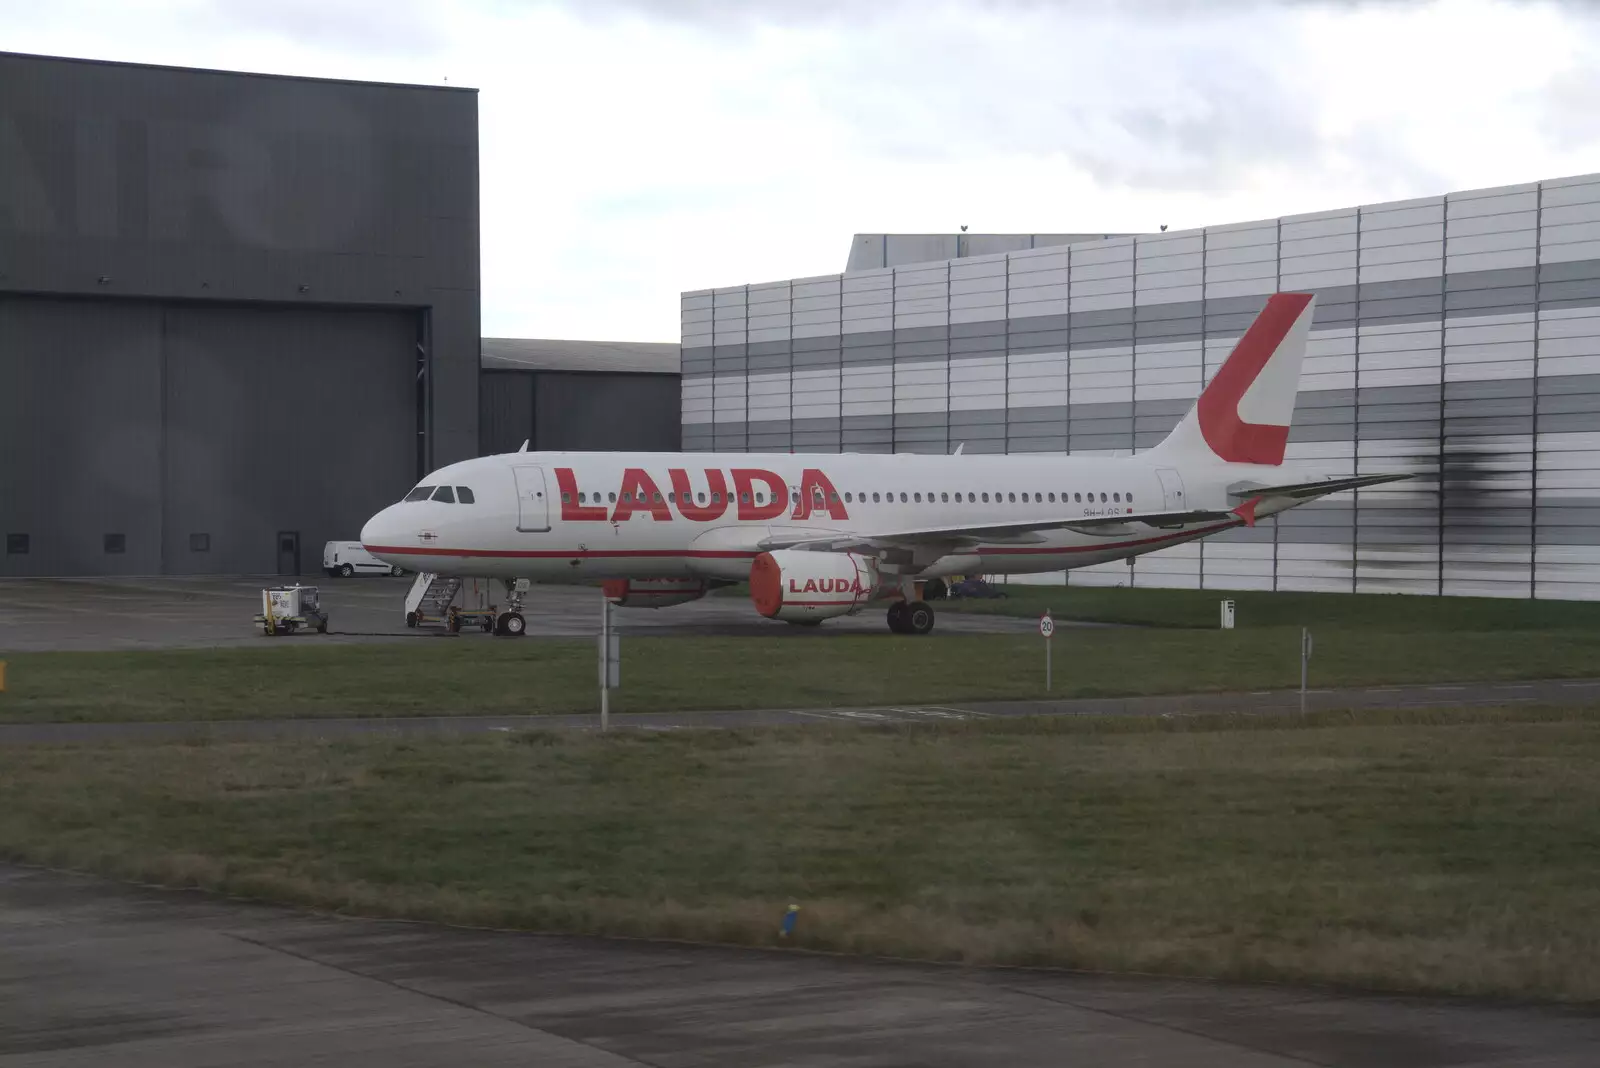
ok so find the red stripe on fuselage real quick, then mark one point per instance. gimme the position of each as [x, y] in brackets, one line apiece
[737, 554]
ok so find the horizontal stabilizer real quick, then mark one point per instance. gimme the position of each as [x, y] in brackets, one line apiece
[1319, 488]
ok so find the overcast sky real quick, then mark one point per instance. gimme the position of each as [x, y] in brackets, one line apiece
[632, 149]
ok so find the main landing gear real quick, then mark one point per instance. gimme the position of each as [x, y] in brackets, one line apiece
[910, 617]
[510, 622]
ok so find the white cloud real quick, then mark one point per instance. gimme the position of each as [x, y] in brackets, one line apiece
[632, 149]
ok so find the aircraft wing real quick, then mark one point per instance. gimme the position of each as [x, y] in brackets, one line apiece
[1319, 488]
[956, 536]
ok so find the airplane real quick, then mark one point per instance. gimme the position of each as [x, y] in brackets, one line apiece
[822, 535]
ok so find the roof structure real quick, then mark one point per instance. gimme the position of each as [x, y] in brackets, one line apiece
[535, 354]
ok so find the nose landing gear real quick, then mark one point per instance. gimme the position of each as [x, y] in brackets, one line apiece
[510, 622]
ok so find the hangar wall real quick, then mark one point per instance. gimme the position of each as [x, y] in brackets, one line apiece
[230, 305]
[578, 411]
[1457, 337]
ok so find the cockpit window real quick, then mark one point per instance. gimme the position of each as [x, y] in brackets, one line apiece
[445, 494]
[464, 495]
[421, 493]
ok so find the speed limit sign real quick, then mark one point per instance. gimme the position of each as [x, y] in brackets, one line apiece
[1047, 626]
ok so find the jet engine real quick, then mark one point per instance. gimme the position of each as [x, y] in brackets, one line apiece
[653, 593]
[798, 586]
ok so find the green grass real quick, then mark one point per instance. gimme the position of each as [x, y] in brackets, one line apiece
[452, 677]
[1422, 851]
[1391, 612]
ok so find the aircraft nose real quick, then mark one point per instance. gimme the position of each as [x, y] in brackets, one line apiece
[379, 531]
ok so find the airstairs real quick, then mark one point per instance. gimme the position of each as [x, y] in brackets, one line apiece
[429, 599]
[431, 602]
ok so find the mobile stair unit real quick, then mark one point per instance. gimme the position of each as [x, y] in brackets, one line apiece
[431, 602]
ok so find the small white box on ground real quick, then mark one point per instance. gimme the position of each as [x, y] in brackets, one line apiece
[1227, 615]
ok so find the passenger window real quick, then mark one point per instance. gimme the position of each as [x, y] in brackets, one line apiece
[701, 497]
[445, 494]
[902, 498]
[672, 497]
[1052, 498]
[1078, 497]
[580, 496]
[985, 498]
[1014, 498]
[846, 496]
[656, 497]
[627, 498]
[464, 495]
[944, 498]
[795, 495]
[1117, 497]
[917, 497]
[1102, 497]
[421, 493]
[716, 498]
[1130, 498]
[566, 498]
[613, 496]
[874, 498]
[744, 498]
[833, 497]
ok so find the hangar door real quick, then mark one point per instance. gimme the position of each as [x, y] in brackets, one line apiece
[145, 438]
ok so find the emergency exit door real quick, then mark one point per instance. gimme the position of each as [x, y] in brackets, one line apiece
[533, 499]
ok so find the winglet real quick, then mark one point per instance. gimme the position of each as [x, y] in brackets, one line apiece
[524, 447]
[959, 448]
[1247, 511]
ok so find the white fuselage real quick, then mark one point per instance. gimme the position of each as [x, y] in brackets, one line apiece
[586, 516]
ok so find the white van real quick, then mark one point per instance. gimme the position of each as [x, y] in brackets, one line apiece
[346, 558]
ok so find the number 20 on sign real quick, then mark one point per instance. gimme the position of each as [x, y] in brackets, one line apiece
[1047, 627]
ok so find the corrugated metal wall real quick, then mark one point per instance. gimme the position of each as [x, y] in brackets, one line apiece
[190, 259]
[1457, 337]
[578, 411]
[142, 438]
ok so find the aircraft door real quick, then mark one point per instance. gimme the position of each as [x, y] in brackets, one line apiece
[1171, 490]
[533, 499]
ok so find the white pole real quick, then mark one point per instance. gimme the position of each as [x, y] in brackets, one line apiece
[605, 662]
[1047, 659]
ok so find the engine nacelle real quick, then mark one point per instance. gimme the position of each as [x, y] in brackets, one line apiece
[798, 585]
[653, 593]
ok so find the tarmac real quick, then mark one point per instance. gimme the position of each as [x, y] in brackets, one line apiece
[216, 611]
[94, 973]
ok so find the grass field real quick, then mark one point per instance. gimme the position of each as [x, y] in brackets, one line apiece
[1395, 613]
[1453, 852]
[443, 677]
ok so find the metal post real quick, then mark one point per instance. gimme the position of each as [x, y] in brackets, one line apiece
[605, 662]
[1047, 644]
[1305, 661]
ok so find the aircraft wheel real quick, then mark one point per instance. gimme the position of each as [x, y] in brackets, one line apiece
[897, 618]
[396, 572]
[411, 619]
[918, 618]
[511, 624]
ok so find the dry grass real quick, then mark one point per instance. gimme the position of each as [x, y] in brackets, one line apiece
[1435, 851]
